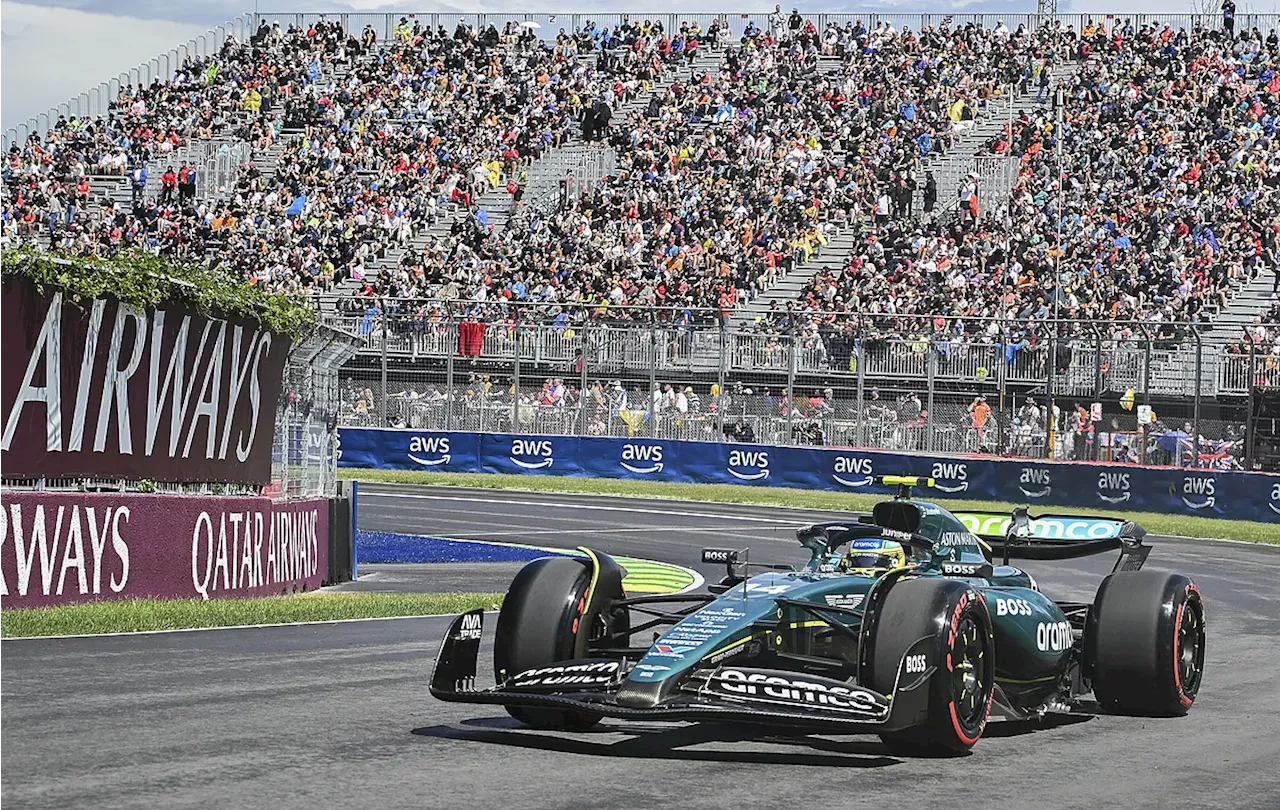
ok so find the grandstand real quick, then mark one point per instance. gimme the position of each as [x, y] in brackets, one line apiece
[1080, 205]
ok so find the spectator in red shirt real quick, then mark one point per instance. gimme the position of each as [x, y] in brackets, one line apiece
[168, 185]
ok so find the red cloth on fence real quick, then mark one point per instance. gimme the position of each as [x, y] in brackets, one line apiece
[470, 338]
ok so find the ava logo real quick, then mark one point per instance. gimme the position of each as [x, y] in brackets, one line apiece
[1034, 482]
[536, 448]
[749, 465]
[1198, 492]
[1113, 487]
[422, 448]
[642, 458]
[851, 471]
[948, 471]
[1275, 499]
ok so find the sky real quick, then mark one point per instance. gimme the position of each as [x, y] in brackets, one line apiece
[51, 50]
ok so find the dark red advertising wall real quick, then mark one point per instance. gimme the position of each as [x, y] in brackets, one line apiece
[109, 390]
[57, 548]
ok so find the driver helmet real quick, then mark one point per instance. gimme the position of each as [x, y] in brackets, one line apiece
[870, 555]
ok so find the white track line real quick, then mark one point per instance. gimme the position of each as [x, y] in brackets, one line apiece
[581, 506]
[236, 627]
[781, 521]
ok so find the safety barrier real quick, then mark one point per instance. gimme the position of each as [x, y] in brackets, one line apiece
[62, 547]
[1209, 493]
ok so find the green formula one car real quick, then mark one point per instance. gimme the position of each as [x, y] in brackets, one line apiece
[908, 623]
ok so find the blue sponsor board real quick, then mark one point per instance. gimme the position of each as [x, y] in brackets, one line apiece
[1237, 495]
[436, 451]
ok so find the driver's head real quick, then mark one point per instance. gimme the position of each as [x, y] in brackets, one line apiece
[873, 555]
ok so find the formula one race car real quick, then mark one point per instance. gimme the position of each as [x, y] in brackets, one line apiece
[914, 632]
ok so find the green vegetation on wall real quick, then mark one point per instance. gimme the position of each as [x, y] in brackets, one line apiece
[143, 280]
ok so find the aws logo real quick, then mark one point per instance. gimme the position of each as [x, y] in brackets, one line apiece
[1034, 482]
[949, 471]
[1113, 487]
[1199, 492]
[644, 459]
[749, 465]
[422, 448]
[1275, 499]
[853, 472]
[523, 449]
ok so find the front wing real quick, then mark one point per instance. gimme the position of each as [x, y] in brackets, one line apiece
[712, 693]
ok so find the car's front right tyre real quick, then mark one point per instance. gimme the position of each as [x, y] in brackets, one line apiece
[538, 626]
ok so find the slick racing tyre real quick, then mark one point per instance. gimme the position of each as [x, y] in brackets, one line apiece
[1144, 643]
[961, 687]
[537, 626]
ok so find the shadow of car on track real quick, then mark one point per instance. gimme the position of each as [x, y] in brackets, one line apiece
[672, 742]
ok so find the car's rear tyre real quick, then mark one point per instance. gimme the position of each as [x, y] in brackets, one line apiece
[1144, 643]
[537, 626]
[961, 686]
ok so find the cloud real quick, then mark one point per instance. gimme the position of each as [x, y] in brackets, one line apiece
[52, 54]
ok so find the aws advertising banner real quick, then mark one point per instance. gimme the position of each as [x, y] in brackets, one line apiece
[1237, 495]
[112, 391]
[57, 548]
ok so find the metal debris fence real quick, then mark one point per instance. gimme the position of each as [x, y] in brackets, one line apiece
[430, 365]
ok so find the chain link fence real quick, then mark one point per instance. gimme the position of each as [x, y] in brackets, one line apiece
[1070, 391]
[304, 457]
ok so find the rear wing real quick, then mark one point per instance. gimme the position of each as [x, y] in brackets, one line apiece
[1058, 537]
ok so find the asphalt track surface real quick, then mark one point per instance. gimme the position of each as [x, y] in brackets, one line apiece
[339, 716]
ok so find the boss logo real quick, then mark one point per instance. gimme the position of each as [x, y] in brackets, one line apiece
[916, 664]
[1013, 607]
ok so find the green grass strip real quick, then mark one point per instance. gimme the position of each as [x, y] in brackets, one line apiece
[1182, 525]
[181, 614]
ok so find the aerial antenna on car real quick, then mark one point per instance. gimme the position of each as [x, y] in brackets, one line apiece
[905, 483]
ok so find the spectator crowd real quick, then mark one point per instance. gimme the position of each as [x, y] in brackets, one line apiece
[733, 169]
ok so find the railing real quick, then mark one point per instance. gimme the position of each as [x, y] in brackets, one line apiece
[549, 25]
[519, 372]
[560, 177]
[217, 164]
